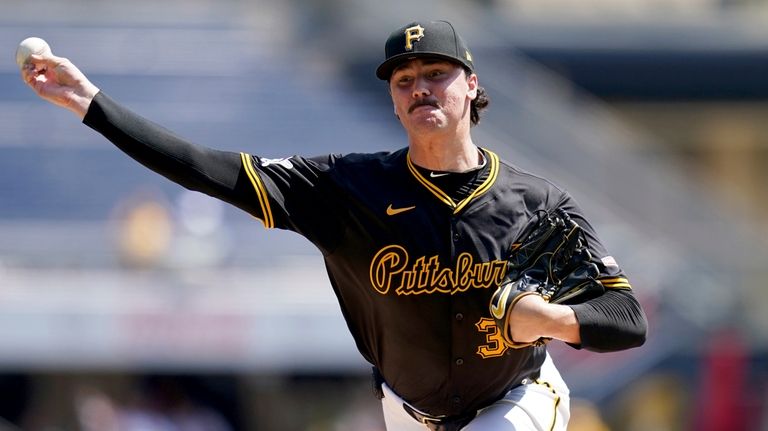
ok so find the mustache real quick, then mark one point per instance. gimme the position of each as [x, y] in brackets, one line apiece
[423, 102]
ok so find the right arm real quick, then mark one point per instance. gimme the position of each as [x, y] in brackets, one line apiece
[216, 173]
[292, 196]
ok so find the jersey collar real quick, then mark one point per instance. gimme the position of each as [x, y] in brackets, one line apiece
[493, 159]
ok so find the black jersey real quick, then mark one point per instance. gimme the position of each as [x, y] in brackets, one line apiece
[413, 269]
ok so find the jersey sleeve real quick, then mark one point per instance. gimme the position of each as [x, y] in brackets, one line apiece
[296, 193]
[615, 320]
[611, 274]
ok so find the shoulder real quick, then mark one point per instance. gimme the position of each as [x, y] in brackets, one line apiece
[383, 158]
[363, 163]
[328, 162]
[531, 186]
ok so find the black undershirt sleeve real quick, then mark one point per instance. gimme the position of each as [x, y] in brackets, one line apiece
[611, 322]
[213, 172]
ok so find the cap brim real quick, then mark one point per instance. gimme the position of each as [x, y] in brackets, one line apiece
[385, 69]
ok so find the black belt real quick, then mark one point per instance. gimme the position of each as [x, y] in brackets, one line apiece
[435, 423]
[441, 423]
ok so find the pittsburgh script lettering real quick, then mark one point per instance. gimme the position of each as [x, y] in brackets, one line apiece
[392, 268]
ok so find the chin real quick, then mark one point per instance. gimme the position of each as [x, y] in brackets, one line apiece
[428, 126]
[429, 121]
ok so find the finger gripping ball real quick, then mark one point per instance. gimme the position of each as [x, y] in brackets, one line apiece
[30, 46]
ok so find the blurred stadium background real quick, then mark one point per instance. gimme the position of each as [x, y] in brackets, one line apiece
[128, 303]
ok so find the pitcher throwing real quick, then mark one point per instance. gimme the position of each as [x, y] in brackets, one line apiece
[417, 241]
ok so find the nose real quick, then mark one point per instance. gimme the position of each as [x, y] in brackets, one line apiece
[420, 88]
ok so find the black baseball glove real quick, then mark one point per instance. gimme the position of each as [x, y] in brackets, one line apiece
[550, 259]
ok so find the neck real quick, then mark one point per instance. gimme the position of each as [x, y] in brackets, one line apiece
[441, 154]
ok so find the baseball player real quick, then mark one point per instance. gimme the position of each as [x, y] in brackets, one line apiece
[415, 241]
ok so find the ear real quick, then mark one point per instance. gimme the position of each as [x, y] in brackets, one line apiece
[472, 86]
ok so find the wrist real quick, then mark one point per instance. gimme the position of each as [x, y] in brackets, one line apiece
[534, 318]
[559, 322]
[81, 102]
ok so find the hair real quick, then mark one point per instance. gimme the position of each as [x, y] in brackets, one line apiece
[480, 102]
[478, 105]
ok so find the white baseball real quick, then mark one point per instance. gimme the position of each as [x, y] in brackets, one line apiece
[29, 46]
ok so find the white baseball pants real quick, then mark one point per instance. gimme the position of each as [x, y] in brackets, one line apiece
[539, 405]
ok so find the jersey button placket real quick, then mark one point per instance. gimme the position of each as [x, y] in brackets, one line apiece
[455, 235]
[459, 325]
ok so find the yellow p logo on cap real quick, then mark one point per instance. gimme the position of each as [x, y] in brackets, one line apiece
[413, 34]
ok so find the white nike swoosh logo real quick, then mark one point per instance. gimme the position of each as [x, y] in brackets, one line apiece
[434, 175]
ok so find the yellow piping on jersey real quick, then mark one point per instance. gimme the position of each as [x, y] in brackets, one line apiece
[615, 283]
[261, 191]
[484, 187]
[431, 187]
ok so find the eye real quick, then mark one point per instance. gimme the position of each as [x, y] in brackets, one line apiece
[403, 80]
[436, 73]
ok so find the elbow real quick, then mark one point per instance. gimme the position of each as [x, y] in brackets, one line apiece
[615, 339]
[614, 322]
[637, 336]
[634, 334]
[638, 332]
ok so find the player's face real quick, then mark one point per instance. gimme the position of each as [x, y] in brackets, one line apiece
[431, 95]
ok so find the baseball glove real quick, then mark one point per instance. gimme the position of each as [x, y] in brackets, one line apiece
[550, 259]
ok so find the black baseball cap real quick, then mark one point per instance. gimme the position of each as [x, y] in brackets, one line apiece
[424, 39]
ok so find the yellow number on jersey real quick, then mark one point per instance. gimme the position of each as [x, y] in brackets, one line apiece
[495, 346]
